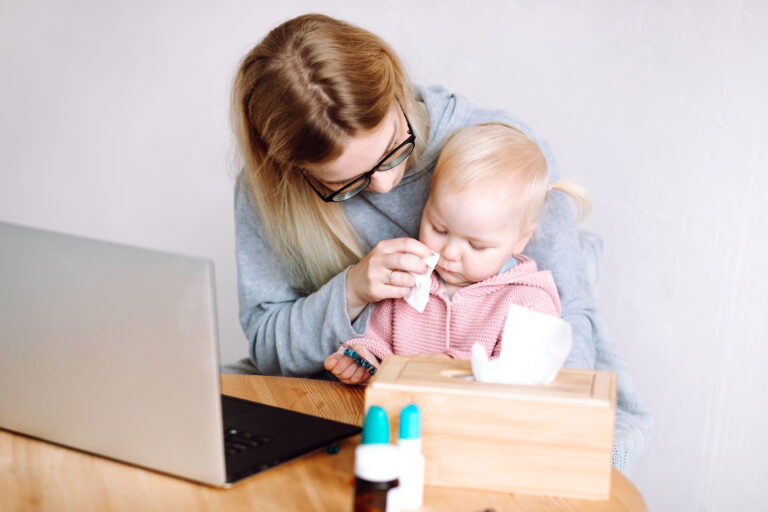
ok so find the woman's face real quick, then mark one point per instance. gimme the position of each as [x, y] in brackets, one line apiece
[363, 152]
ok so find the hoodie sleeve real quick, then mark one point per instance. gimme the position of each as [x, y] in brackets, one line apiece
[288, 334]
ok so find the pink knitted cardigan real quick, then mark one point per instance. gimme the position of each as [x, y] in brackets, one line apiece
[475, 313]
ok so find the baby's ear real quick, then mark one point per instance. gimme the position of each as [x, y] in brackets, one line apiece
[524, 238]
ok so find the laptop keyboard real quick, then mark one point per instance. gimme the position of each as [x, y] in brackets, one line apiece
[237, 440]
[258, 436]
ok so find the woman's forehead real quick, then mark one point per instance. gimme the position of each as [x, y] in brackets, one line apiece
[361, 153]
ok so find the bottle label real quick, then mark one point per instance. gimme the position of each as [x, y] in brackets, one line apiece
[393, 500]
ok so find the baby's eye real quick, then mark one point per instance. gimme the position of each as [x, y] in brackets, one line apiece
[477, 247]
[438, 230]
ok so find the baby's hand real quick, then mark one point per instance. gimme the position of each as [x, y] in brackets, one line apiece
[346, 369]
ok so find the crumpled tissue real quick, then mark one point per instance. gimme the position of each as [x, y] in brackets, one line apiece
[533, 349]
[419, 294]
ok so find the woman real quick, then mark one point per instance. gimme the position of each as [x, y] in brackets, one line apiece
[338, 150]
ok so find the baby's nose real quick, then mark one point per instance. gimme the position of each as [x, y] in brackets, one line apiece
[450, 252]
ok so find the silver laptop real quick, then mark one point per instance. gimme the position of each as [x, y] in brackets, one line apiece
[113, 350]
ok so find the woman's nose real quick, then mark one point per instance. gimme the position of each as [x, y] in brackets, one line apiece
[382, 182]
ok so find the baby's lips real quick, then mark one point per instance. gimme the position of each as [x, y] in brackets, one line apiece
[441, 268]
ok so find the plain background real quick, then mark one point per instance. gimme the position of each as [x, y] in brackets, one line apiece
[114, 124]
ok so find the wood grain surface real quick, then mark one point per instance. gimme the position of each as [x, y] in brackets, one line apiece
[40, 476]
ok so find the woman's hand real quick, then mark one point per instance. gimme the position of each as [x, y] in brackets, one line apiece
[385, 273]
[346, 369]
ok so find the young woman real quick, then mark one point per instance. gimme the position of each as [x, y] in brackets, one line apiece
[338, 150]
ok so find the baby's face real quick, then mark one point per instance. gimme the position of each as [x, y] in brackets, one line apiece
[475, 231]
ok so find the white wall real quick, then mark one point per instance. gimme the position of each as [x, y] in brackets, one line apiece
[113, 124]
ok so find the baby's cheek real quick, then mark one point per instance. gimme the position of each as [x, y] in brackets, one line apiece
[469, 268]
[478, 270]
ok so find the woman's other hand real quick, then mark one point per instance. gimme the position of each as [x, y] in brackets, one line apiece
[346, 369]
[385, 273]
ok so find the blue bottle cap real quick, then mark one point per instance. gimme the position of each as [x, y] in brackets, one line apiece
[410, 422]
[376, 426]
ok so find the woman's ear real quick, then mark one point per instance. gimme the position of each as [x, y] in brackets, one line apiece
[524, 238]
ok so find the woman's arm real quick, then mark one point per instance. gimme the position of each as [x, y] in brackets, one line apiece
[556, 247]
[287, 334]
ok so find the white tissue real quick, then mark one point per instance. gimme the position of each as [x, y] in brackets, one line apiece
[533, 349]
[419, 294]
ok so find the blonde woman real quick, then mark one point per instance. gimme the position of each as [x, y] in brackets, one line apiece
[338, 150]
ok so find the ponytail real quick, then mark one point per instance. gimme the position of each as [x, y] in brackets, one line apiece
[576, 192]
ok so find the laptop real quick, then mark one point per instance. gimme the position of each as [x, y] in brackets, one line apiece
[112, 350]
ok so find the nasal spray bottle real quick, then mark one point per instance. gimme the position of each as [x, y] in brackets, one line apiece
[411, 491]
[377, 466]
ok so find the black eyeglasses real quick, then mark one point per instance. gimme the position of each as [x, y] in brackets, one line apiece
[392, 160]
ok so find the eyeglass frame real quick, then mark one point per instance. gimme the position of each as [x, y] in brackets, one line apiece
[329, 198]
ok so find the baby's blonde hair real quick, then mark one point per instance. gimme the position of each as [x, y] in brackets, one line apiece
[497, 155]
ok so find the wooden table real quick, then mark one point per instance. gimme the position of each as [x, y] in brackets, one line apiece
[35, 475]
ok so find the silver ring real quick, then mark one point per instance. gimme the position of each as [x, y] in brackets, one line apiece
[389, 278]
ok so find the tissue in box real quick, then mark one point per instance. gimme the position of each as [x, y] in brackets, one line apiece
[553, 439]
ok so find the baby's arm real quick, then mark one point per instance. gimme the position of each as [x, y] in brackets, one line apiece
[373, 347]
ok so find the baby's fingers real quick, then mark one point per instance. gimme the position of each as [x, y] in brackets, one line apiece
[366, 376]
[332, 361]
[360, 376]
[350, 367]
[343, 368]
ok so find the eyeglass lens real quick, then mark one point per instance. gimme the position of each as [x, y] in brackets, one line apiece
[391, 162]
[396, 158]
[352, 190]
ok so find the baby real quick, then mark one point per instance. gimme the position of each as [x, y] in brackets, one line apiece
[488, 190]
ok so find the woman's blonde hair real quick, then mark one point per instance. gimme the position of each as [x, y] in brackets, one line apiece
[298, 96]
[500, 156]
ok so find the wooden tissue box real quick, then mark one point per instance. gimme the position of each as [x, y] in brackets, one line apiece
[554, 439]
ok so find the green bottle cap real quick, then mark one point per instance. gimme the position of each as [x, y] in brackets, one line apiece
[410, 422]
[376, 426]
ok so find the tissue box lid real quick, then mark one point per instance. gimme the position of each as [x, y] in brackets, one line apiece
[588, 387]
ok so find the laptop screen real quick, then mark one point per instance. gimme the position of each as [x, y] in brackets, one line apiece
[110, 349]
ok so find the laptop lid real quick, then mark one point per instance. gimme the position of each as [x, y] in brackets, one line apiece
[111, 349]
